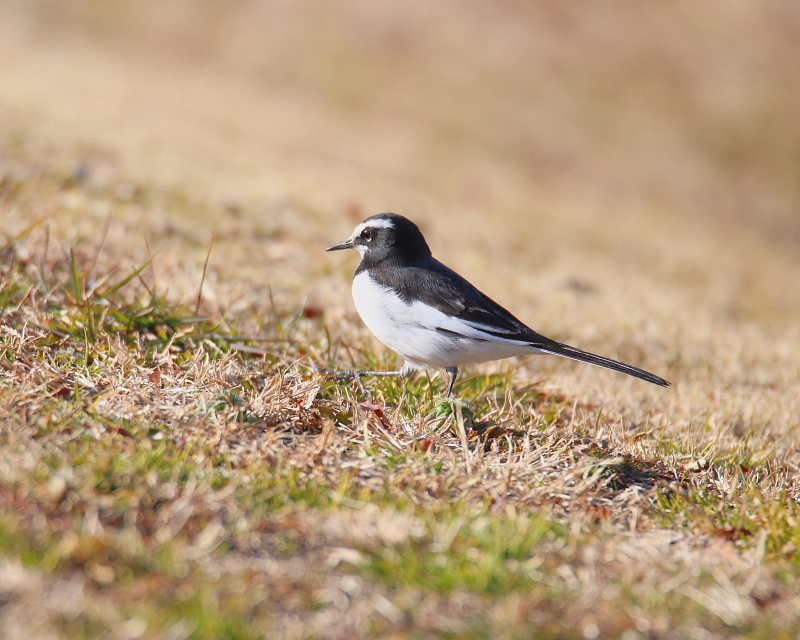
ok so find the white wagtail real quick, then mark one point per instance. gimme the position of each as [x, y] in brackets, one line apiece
[432, 316]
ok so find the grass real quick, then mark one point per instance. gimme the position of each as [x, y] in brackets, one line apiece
[172, 466]
[158, 481]
[167, 484]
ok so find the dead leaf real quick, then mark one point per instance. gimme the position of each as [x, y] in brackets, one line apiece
[120, 431]
[599, 512]
[732, 533]
[426, 444]
[378, 409]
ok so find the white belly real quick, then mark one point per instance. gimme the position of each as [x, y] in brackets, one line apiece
[415, 330]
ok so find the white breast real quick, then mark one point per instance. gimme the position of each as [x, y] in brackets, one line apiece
[421, 334]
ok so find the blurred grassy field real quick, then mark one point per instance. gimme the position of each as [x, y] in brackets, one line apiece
[624, 178]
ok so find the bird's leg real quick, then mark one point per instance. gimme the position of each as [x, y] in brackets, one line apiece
[350, 374]
[452, 372]
[356, 374]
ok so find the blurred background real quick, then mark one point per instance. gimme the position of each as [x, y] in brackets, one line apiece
[674, 108]
[648, 152]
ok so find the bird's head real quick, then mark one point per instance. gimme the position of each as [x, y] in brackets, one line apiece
[387, 236]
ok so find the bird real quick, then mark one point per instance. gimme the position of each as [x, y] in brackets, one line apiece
[433, 317]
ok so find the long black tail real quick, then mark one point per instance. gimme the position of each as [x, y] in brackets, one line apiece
[556, 348]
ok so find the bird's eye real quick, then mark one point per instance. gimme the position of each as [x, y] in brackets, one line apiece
[368, 234]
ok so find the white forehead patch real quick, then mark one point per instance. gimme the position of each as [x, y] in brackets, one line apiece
[378, 223]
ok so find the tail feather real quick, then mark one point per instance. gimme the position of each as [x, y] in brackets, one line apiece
[559, 349]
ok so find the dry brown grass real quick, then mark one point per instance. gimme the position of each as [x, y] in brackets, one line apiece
[626, 176]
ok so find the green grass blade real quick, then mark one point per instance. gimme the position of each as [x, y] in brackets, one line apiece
[25, 232]
[77, 289]
[116, 287]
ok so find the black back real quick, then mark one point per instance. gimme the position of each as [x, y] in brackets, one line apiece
[438, 286]
[398, 257]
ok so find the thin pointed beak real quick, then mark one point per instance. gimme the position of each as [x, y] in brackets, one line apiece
[347, 244]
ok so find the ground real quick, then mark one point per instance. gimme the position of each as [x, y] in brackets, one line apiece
[623, 179]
